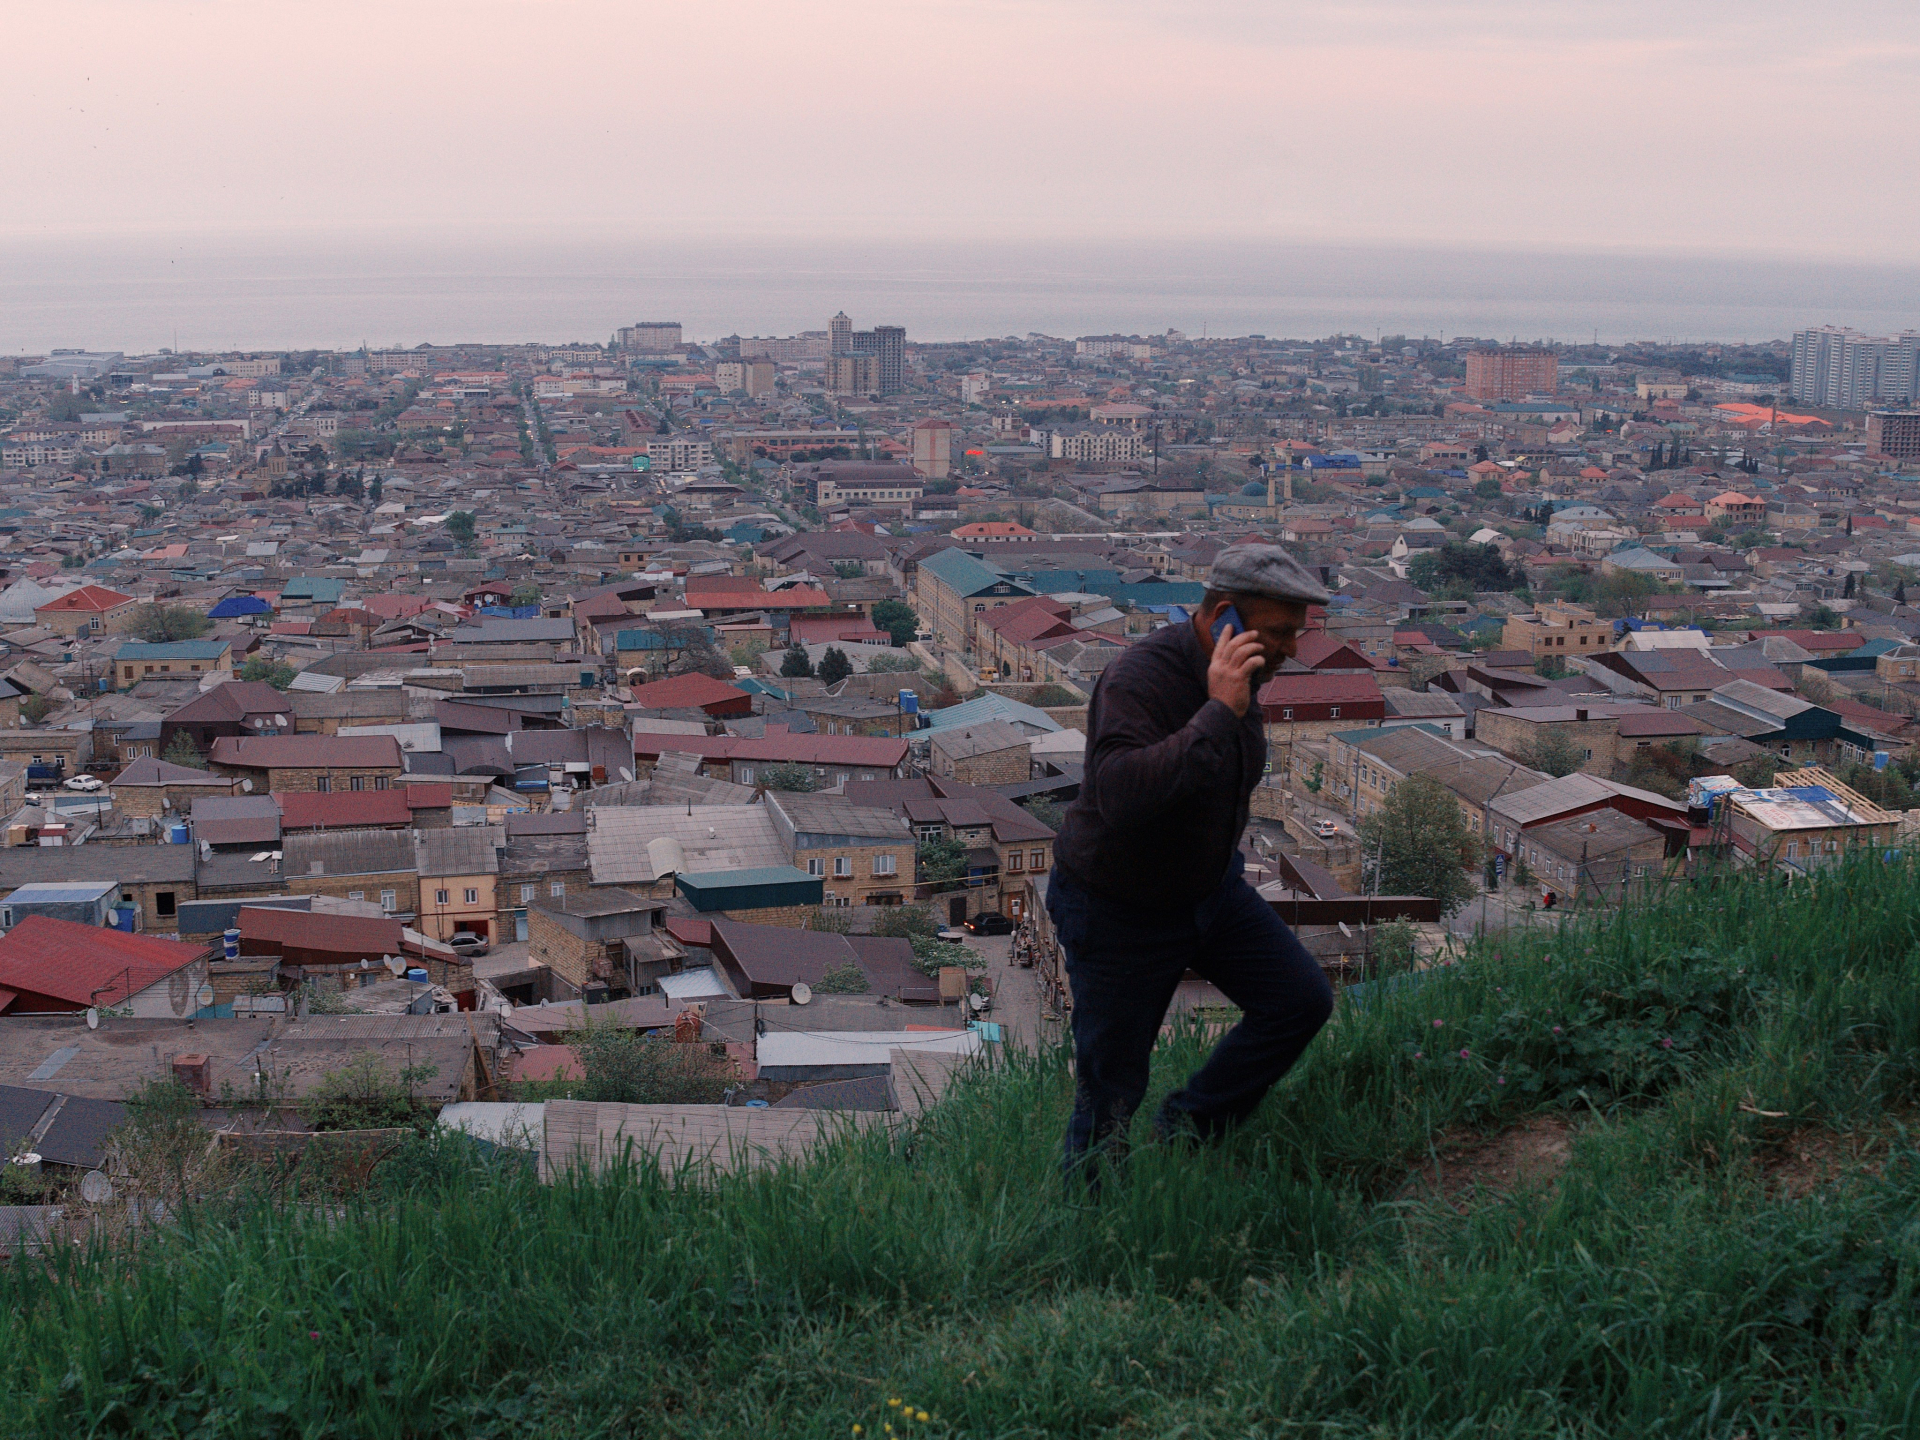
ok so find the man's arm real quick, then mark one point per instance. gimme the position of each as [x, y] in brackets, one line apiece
[1140, 772]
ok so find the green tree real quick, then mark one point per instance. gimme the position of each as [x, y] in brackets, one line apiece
[160, 623]
[799, 779]
[276, 673]
[1419, 844]
[1487, 489]
[1461, 561]
[1557, 752]
[896, 617]
[182, 751]
[35, 708]
[846, 979]
[374, 487]
[834, 665]
[460, 525]
[1053, 695]
[794, 665]
[364, 1095]
[888, 663]
[624, 1067]
[942, 863]
[849, 569]
[525, 593]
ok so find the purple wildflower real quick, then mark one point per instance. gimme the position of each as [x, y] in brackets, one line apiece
[1465, 1053]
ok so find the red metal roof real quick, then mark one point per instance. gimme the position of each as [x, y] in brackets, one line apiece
[87, 598]
[355, 935]
[85, 964]
[686, 691]
[345, 809]
[1313, 687]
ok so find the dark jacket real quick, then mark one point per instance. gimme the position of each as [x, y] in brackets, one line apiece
[1168, 776]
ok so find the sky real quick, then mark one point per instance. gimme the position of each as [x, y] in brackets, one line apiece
[1757, 128]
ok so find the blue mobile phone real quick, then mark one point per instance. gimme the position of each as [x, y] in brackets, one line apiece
[1227, 622]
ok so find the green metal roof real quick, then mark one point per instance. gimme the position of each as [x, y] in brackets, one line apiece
[760, 889]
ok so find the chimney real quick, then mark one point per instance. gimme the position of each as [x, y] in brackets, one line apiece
[195, 1072]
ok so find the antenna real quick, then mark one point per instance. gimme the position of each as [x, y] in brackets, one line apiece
[802, 992]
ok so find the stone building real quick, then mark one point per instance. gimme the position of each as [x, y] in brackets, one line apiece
[993, 753]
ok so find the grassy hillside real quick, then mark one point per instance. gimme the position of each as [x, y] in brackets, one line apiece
[1730, 1247]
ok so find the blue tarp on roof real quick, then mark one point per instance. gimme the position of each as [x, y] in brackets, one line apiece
[234, 606]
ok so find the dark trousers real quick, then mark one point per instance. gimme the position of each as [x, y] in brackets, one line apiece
[1123, 964]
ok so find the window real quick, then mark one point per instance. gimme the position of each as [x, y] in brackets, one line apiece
[163, 904]
[1014, 860]
[557, 890]
[746, 774]
[472, 896]
[1334, 712]
[381, 782]
[526, 894]
[356, 894]
[389, 900]
[323, 784]
[842, 866]
[885, 865]
[816, 866]
[358, 782]
[6, 917]
[1286, 714]
[439, 897]
[1036, 860]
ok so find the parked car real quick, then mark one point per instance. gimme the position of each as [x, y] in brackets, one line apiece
[85, 782]
[990, 925]
[1325, 829]
[468, 944]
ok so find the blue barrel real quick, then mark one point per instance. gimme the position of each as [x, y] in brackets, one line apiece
[909, 703]
[123, 919]
[417, 974]
[230, 945]
[177, 833]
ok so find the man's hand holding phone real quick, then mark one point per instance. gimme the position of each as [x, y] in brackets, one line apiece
[1237, 657]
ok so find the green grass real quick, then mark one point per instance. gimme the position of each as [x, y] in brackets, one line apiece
[1291, 1283]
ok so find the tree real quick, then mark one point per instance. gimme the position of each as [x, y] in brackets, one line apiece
[374, 487]
[1418, 844]
[1480, 566]
[1900, 593]
[460, 525]
[846, 979]
[795, 665]
[942, 863]
[276, 673]
[887, 663]
[849, 569]
[1556, 752]
[798, 779]
[158, 624]
[525, 593]
[834, 665]
[35, 708]
[896, 617]
[182, 751]
[624, 1067]
[1487, 489]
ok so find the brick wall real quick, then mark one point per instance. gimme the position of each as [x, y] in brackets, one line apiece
[855, 888]
[339, 780]
[793, 916]
[404, 883]
[570, 957]
[1011, 766]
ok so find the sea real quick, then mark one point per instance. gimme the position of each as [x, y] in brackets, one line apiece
[142, 293]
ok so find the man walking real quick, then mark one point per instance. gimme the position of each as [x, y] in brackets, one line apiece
[1147, 878]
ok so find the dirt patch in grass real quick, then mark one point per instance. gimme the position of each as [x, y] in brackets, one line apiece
[1813, 1158]
[1532, 1153]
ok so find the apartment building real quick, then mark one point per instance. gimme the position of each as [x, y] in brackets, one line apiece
[1557, 628]
[1511, 373]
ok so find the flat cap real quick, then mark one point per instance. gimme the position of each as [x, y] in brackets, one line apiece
[1265, 570]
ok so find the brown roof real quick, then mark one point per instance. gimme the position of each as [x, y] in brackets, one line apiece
[301, 752]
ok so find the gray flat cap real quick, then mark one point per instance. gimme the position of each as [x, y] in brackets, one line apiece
[1265, 570]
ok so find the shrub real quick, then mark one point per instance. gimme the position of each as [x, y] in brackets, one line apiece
[364, 1095]
[624, 1067]
[842, 980]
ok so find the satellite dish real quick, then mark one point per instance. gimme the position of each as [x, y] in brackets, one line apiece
[626, 774]
[978, 1002]
[95, 1188]
[93, 1018]
[205, 997]
[802, 992]
[247, 786]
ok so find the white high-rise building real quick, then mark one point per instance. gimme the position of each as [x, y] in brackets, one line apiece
[1844, 369]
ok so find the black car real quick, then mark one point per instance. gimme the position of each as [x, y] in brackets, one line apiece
[990, 925]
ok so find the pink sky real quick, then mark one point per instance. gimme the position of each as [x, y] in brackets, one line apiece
[1754, 126]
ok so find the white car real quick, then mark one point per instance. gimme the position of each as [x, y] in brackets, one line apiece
[1325, 829]
[85, 782]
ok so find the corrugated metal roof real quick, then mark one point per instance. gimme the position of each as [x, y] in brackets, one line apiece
[711, 837]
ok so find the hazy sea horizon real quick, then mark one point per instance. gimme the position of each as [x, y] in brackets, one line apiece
[139, 295]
